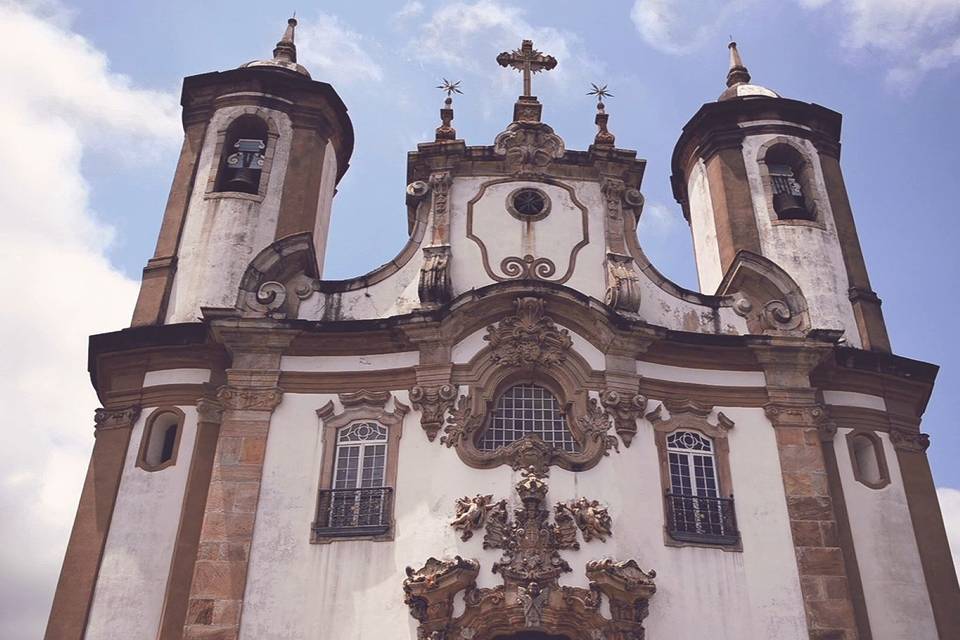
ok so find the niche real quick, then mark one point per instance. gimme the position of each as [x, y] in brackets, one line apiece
[161, 439]
[790, 183]
[242, 156]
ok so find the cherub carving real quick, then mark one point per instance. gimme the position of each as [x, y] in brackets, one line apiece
[592, 519]
[566, 527]
[532, 598]
[471, 514]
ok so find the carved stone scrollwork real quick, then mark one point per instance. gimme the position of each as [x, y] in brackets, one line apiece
[529, 338]
[626, 409]
[417, 191]
[435, 287]
[433, 403]
[907, 440]
[471, 514]
[530, 596]
[104, 419]
[529, 148]
[623, 285]
[209, 410]
[242, 399]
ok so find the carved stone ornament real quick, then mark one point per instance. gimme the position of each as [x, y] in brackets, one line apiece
[626, 409]
[907, 440]
[104, 419]
[623, 285]
[435, 286]
[433, 403]
[531, 597]
[591, 430]
[209, 411]
[471, 514]
[243, 399]
[591, 518]
[528, 148]
[528, 338]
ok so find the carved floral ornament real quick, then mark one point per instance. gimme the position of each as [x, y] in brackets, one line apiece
[530, 597]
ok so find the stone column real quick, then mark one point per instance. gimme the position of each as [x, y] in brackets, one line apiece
[803, 432]
[223, 553]
[81, 564]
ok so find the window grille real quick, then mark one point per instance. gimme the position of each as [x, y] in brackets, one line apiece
[695, 511]
[358, 503]
[527, 409]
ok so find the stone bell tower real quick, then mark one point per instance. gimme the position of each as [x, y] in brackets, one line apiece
[759, 173]
[263, 151]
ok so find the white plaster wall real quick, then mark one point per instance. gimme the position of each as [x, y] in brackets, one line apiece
[128, 597]
[221, 235]
[811, 255]
[352, 589]
[552, 237]
[176, 376]
[898, 603]
[328, 188]
[704, 229]
[715, 377]
[369, 362]
[854, 399]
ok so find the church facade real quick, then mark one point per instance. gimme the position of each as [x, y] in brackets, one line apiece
[517, 428]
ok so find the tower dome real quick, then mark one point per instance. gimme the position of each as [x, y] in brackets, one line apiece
[738, 81]
[284, 54]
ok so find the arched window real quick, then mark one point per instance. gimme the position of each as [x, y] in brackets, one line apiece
[695, 510]
[161, 439]
[527, 409]
[359, 498]
[866, 457]
[242, 155]
[790, 183]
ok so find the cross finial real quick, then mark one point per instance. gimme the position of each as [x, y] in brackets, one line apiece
[527, 61]
[445, 131]
[604, 138]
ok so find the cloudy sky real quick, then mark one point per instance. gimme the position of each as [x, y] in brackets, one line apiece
[91, 130]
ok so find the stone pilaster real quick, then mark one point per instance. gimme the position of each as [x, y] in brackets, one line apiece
[803, 431]
[81, 564]
[223, 553]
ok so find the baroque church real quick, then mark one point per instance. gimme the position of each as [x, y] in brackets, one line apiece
[517, 429]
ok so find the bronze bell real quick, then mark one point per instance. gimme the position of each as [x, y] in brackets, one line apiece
[245, 165]
[790, 207]
[245, 179]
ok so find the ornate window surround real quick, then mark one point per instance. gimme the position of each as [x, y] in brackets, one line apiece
[808, 180]
[148, 426]
[877, 443]
[692, 416]
[529, 348]
[359, 406]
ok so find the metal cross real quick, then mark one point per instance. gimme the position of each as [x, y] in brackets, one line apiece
[528, 61]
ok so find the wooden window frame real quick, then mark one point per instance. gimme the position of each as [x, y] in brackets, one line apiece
[148, 426]
[360, 406]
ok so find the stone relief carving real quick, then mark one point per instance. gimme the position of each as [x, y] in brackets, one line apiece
[435, 287]
[115, 418]
[530, 596]
[433, 403]
[626, 409]
[907, 440]
[623, 285]
[528, 267]
[471, 514]
[242, 399]
[529, 338]
[528, 149]
[591, 518]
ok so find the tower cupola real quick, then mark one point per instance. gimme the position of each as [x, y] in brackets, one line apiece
[284, 54]
[738, 80]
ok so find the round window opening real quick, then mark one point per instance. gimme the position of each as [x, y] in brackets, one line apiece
[528, 204]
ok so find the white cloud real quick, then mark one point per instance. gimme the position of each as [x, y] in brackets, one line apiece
[682, 26]
[409, 10]
[60, 100]
[950, 506]
[335, 53]
[913, 37]
[657, 220]
[462, 35]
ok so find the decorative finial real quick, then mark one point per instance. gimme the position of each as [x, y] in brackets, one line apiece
[738, 73]
[445, 131]
[286, 50]
[527, 61]
[604, 137]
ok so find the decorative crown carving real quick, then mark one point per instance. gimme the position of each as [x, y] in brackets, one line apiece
[528, 338]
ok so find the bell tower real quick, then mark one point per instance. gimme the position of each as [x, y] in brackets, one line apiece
[264, 148]
[759, 173]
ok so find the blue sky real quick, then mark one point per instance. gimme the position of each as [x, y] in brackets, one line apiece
[90, 104]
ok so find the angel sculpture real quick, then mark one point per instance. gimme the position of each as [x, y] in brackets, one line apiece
[565, 527]
[592, 519]
[471, 514]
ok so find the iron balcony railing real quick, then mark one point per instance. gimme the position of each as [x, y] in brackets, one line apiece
[354, 512]
[701, 519]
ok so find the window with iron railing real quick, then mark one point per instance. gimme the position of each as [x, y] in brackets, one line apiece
[694, 509]
[359, 503]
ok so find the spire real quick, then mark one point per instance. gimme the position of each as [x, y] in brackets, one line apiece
[738, 73]
[446, 131]
[286, 50]
[604, 138]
